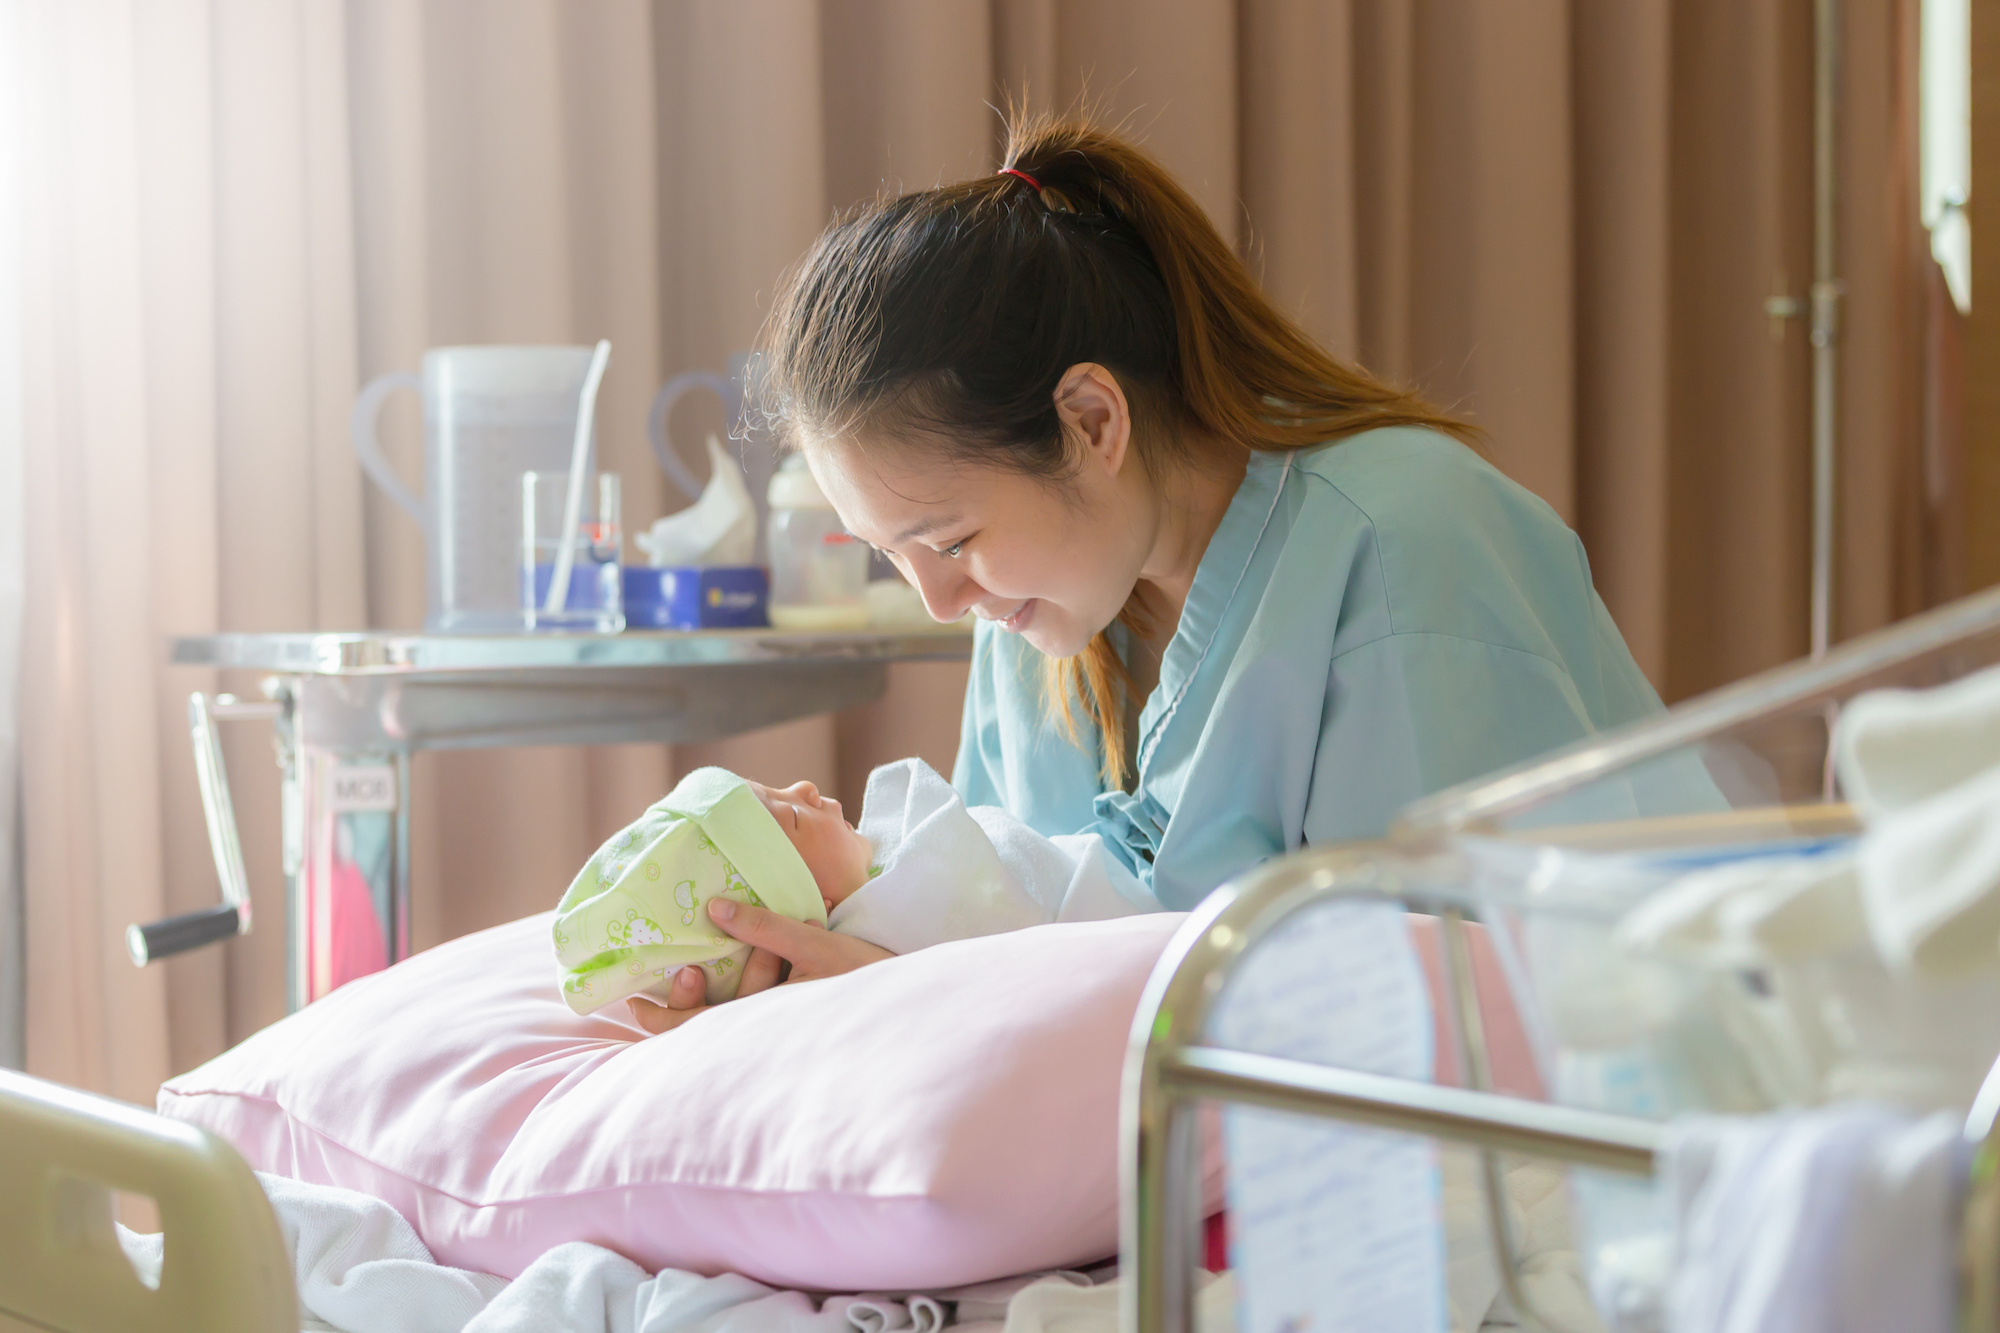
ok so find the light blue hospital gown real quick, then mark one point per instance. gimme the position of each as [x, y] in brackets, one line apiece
[1374, 620]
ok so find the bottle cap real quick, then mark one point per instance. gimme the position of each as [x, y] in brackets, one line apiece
[793, 487]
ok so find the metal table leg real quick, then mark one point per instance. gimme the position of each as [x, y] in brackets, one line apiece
[346, 839]
[346, 816]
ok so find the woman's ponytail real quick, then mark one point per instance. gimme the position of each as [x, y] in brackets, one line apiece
[951, 314]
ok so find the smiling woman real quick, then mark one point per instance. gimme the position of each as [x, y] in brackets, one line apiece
[1275, 598]
[1026, 324]
[1053, 573]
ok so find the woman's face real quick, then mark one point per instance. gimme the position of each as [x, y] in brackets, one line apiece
[1051, 561]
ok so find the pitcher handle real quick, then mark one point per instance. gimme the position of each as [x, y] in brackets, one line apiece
[367, 448]
[664, 452]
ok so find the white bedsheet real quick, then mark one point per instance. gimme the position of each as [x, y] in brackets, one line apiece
[360, 1268]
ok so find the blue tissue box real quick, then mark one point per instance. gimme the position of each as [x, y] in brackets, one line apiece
[720, 597]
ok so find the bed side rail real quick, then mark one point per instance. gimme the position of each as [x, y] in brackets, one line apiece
[62, 1153]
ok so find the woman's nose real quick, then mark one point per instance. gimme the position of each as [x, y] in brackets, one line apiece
[947, 593]
[806, 792]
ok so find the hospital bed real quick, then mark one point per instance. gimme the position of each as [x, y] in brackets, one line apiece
[1742, 771]
[1467, 858]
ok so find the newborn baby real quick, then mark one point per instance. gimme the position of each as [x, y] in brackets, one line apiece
[637, 913]
[921, 869]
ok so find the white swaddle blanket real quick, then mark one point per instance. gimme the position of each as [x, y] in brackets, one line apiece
[952, 872]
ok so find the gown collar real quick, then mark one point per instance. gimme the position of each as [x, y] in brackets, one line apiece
[1217, 580]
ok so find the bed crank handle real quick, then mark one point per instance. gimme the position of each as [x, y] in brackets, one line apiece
[191, 930]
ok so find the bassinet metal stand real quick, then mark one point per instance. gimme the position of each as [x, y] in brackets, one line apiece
[1170, 1067]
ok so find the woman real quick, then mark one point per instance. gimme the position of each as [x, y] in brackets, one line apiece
[1234, 595]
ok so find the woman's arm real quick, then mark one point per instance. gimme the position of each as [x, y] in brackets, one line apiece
[777, 942]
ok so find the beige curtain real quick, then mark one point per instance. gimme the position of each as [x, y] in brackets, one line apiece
[188, 336]
[1562, 218]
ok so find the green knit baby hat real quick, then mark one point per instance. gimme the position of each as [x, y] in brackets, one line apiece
[638, 910]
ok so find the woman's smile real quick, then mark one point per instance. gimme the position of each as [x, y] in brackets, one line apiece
[1051, 573]
[1016, 620]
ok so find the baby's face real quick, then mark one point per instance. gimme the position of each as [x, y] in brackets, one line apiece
[837, 855]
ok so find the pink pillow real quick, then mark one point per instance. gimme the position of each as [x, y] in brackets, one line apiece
[942, 1118]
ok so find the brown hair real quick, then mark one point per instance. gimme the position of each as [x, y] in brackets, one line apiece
[949, 316]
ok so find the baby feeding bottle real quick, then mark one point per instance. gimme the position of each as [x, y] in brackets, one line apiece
[819, 570]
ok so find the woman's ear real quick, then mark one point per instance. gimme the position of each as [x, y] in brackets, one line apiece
[1094, 412]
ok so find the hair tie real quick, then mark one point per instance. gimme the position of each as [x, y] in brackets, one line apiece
[1016, 171]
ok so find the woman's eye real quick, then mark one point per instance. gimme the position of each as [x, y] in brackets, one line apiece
[951, 552]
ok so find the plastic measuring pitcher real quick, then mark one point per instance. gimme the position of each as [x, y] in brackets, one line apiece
[490, 415]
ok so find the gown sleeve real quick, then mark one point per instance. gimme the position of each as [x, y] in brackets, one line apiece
[1409, 714]
[1374, 621]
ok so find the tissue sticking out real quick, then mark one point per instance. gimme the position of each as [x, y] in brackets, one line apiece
[720, 528]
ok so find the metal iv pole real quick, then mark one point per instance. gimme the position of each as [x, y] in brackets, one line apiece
[1827, 290]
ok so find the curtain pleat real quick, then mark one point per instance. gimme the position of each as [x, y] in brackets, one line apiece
[91, 790]
[1559, 217]
[1296, 151]
[13, 555]
[1621, 63]
[524, 176]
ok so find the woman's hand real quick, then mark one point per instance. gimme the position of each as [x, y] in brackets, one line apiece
[779, 945]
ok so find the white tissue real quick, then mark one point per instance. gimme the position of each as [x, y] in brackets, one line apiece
[720, 528]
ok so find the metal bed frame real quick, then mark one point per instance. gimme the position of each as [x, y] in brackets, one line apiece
[1169, 1066]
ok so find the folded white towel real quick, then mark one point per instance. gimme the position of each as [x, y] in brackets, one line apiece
[1743, 913]
[1894, 748]
[1923, 769]
[1930, 880]
[1836, 1220]
[1922, 883]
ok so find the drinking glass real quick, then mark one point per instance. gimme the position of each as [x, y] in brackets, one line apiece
[596, 593]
